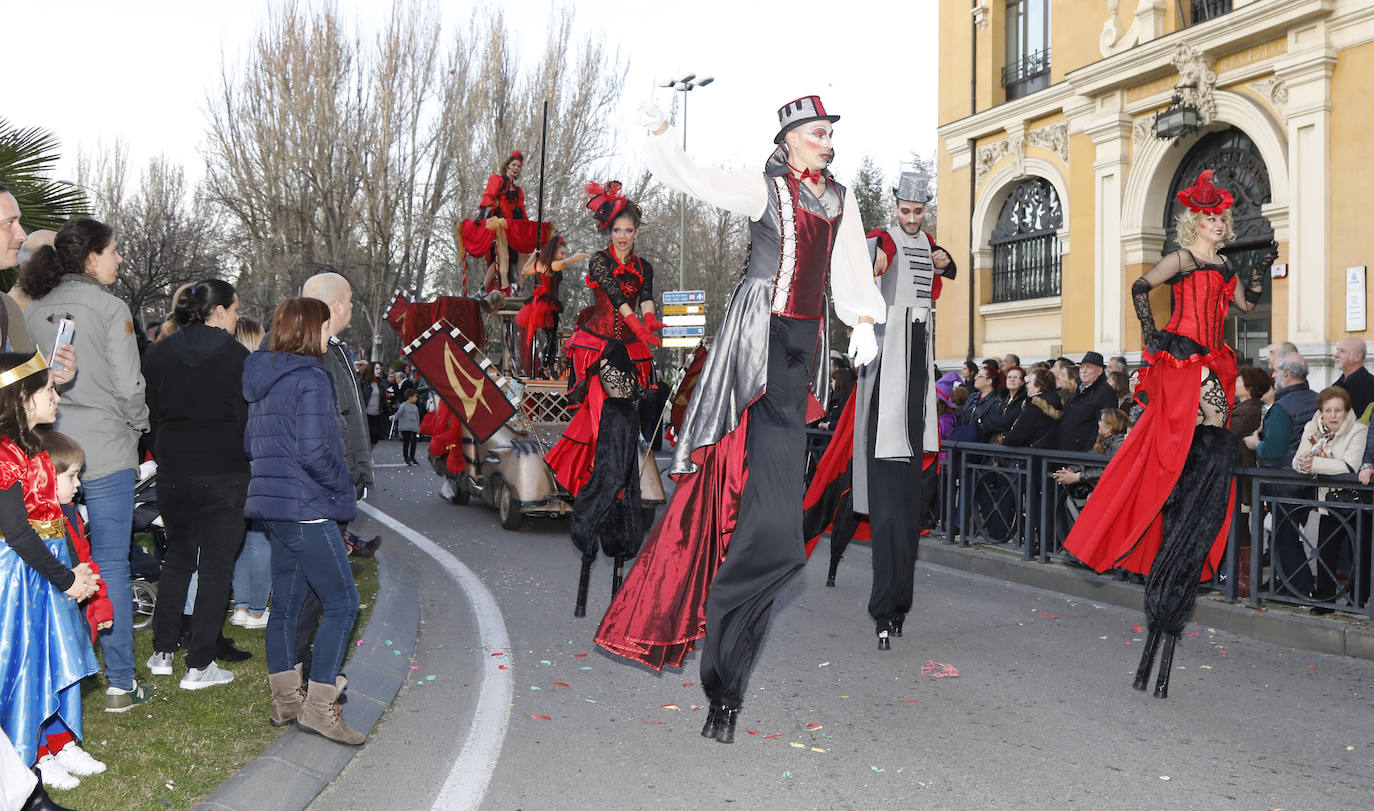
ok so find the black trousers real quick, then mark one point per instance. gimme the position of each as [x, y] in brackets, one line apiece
[897, 494]
[205, 527]
[766, 549]
[607, 510]
[408, 442]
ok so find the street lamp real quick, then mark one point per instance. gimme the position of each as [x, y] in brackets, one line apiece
[1179, 119]
[684, 85]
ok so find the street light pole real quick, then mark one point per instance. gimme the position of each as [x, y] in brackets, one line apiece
[684, 85]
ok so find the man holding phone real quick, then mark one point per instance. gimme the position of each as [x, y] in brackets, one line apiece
[14, 335]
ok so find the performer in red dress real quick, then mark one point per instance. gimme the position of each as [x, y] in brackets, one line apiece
[597, 458]
[1163, 505]
[539, 317]
[731, 537]
[503, 200]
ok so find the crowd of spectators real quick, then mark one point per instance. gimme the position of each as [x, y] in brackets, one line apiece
[175, 395]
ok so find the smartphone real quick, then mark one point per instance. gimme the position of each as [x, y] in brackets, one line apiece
[66, 331]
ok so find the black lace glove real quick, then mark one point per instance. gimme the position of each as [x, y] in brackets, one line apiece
[1140, 295]
[1255, 287]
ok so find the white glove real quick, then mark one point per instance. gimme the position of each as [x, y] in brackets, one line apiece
[863, 345]
[647, 115]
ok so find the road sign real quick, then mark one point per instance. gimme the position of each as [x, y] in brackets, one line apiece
[684, 297]
[683, 309]
[684, 320]
[684, 332]
[681, 343]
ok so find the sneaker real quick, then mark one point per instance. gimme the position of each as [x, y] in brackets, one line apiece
[241, 617]
[118, 700]
[78, 761]
[198, 678]
[54, 776]
[160, 664]
[259, 621]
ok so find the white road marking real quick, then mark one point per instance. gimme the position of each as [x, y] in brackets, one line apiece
[471, 773]
[389, 464]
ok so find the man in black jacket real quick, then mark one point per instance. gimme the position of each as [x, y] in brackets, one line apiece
[1078, 428]
[1355, 379]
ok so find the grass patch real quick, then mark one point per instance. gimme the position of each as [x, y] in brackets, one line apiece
[174, 750]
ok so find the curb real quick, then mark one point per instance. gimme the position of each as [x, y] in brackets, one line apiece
[296, 767]
[1278, 625]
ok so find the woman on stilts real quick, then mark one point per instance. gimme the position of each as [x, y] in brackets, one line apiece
[731, 537]
[1163, 505]
[597, 458]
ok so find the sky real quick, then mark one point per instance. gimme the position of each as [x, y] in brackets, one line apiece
[139, 70]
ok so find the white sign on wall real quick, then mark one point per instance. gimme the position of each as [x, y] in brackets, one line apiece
[1355, 299]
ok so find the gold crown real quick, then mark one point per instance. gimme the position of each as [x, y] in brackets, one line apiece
[23, 370]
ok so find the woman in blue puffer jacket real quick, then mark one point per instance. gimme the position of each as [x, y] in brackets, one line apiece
[301, 488]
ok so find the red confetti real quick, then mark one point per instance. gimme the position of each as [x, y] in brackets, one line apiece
[498, 653]
[541, 717]
[561, 684]
[771, 737]
[911, 701]
[1044, 613]
[1311, 667]
[578, 655]
[813, 725]
[752, 731]
[502, 667]
[686, 684]
[1127, 642]
[652, 723]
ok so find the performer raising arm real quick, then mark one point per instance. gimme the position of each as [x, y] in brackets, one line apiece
[738, 462]
[1163, 505]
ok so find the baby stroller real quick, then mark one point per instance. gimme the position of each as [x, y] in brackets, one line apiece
[147, 546]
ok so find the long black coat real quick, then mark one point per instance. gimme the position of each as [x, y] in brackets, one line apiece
[1038, 425]
[1078, 428]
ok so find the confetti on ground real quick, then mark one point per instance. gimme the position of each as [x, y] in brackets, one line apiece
[911, 701]
[813, 725]
[362, 605]
[591, 701]
[536, 687]
[419, 684]
[687, 684]
[541, 718]
[579, 655]
[588, 667]
[502, 667]
[360, 643]
[876, 769]
[561, 684]
[771, 737]
[1206, 667]
[395, 652]
[1311, 667]
[1350, 749]
[752, 731]
[818, 749]
[823, 664]
[796, 745]
[787, 775]
[545, 662]
[414, 667]
[653, 723]
[386, 642]
[936, 670]
[431, 677]
[498, 653]
[1165, 777]
[670, 707]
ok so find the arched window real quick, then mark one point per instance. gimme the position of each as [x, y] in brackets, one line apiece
[1025, 243]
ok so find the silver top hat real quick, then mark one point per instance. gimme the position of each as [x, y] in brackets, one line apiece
[800, 111]
[913, 187]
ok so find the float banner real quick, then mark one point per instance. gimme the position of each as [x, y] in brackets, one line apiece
[466, 386]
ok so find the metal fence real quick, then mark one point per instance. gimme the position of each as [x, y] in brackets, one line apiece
[1286, 543]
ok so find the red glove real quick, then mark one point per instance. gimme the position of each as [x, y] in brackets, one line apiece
[652, 323]
[98, 607]
[637, 327]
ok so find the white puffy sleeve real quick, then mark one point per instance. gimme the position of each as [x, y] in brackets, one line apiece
[852, 287]
[738, 191]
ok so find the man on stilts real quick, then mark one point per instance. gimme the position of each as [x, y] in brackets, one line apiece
[895, 437]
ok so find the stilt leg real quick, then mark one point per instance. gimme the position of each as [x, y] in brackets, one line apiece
[581, 608]
[618, 576]
[1147, 661]
[1166, 665]
[830, 578]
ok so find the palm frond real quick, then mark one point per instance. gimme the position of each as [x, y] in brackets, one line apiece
[27, 159]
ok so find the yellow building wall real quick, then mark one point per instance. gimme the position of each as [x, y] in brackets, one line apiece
[954, 61]
[1352, 197]
[951, 331]
[1078, 284]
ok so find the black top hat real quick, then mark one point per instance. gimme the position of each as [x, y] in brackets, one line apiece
[800, 111]
[1095, 358]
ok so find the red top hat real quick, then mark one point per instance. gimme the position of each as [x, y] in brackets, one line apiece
[606, 202]
[800, 111]
[1205, 198]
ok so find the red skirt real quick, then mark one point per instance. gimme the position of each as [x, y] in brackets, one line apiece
[573, 455]
[1121, 527]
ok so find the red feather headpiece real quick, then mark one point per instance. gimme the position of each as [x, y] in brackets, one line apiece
[518, 155]
[606, 202]
[1205, 198]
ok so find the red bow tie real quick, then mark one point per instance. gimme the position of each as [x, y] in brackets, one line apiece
[807, 174]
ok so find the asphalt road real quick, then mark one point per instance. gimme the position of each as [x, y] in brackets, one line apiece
[1041, 714]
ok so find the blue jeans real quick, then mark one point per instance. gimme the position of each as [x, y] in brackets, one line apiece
[253, 570]
[110, 509]
[310, 556]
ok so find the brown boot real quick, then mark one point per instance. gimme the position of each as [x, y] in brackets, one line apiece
[321, 715]
[287, 696]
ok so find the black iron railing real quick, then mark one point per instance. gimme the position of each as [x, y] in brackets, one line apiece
[1204, 10]
[1026, 267]
[1027, 74]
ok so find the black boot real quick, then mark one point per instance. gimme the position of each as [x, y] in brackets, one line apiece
[713, 716]
[1147, 661]
[895, 625]
[830, 578]
[618, 576]
[39, 799]
[884, 629]
[580, 610]
[725, 724]
[1166, 665]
